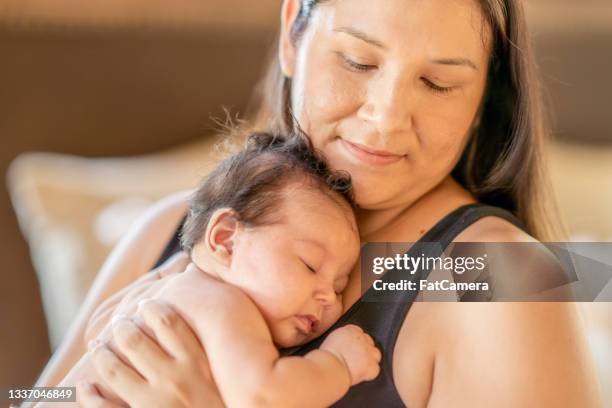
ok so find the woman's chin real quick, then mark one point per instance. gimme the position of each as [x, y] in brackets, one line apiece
[371, 189]
[368, 197]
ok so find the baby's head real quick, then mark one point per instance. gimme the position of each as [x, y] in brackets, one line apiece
[276, 222]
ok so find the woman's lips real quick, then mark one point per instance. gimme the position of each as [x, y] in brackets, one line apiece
[368, 155]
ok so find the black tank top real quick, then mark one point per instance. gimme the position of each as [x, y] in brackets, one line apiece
[383, 320]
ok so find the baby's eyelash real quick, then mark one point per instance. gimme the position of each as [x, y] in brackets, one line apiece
[436, 88]
[313, 270]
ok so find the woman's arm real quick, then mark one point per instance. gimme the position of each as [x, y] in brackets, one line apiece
[504, 354]
[135, 254]
[512, 354]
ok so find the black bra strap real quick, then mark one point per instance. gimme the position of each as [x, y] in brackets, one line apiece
[442, 234]
[448, 228]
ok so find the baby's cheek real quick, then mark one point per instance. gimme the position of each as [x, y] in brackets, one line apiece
[283, 334]
[331, 315]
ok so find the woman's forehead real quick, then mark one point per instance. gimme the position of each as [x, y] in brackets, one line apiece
[445, 25]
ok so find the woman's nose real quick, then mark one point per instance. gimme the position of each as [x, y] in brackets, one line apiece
[389, 105]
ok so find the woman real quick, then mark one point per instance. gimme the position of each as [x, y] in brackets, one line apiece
[431, 106]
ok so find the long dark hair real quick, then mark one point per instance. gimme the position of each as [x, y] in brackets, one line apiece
[503, 163]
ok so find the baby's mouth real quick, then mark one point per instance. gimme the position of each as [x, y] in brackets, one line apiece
[307, 324]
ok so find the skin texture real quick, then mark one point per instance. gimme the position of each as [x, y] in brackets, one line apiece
[461, 355]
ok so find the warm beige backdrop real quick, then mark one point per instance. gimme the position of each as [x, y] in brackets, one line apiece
[182, 13]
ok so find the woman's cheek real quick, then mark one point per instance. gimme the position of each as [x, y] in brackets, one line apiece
[334, 94]
[445, 126]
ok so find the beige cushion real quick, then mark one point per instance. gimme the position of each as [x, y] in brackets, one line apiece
[73, 210]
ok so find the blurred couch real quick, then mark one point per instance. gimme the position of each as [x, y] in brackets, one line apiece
[122, 103]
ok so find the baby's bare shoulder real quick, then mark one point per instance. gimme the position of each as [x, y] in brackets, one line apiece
[198, 295]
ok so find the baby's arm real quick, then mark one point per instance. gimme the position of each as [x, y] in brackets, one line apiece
[246, 365]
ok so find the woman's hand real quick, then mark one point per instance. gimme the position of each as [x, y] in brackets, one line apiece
[170, 372]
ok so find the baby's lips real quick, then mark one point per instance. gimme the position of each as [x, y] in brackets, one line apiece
[315, 324]
[310, 323]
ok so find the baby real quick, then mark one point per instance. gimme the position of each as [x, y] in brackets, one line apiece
[272, 239]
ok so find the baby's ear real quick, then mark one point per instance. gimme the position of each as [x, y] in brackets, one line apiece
[220, 235]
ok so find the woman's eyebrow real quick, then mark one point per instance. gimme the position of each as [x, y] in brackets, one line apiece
[360, 35]
[455, 61]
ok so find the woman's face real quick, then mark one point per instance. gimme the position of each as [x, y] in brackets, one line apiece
[388, 89]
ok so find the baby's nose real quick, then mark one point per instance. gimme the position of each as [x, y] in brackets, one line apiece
[326, 296]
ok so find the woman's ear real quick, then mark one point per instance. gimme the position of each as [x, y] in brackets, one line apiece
[286, 47]
[221, 234]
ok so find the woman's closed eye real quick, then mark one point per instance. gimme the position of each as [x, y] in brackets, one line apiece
[358, 67]
[354, 65]
[435, 87]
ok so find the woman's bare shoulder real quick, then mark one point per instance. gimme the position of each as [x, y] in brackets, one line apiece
[499, 339]
[518, 346]
[494, 229]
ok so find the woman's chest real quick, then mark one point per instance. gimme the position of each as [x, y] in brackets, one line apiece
[411, 353]
[413, 359]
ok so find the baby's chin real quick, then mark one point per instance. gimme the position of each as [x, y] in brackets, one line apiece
[290, 338]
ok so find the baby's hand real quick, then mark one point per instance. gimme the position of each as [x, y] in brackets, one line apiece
[356, 349]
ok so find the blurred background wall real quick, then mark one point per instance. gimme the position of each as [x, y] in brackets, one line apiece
[105, 79]
[120, 95]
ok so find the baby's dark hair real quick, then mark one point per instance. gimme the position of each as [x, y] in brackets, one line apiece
[251, 182]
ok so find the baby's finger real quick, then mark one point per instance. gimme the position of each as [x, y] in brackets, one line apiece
[355, 328]
[377, 355]
[88, 397]
[143, 353]
[170, 330]
[115, 372]
[371, 372]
